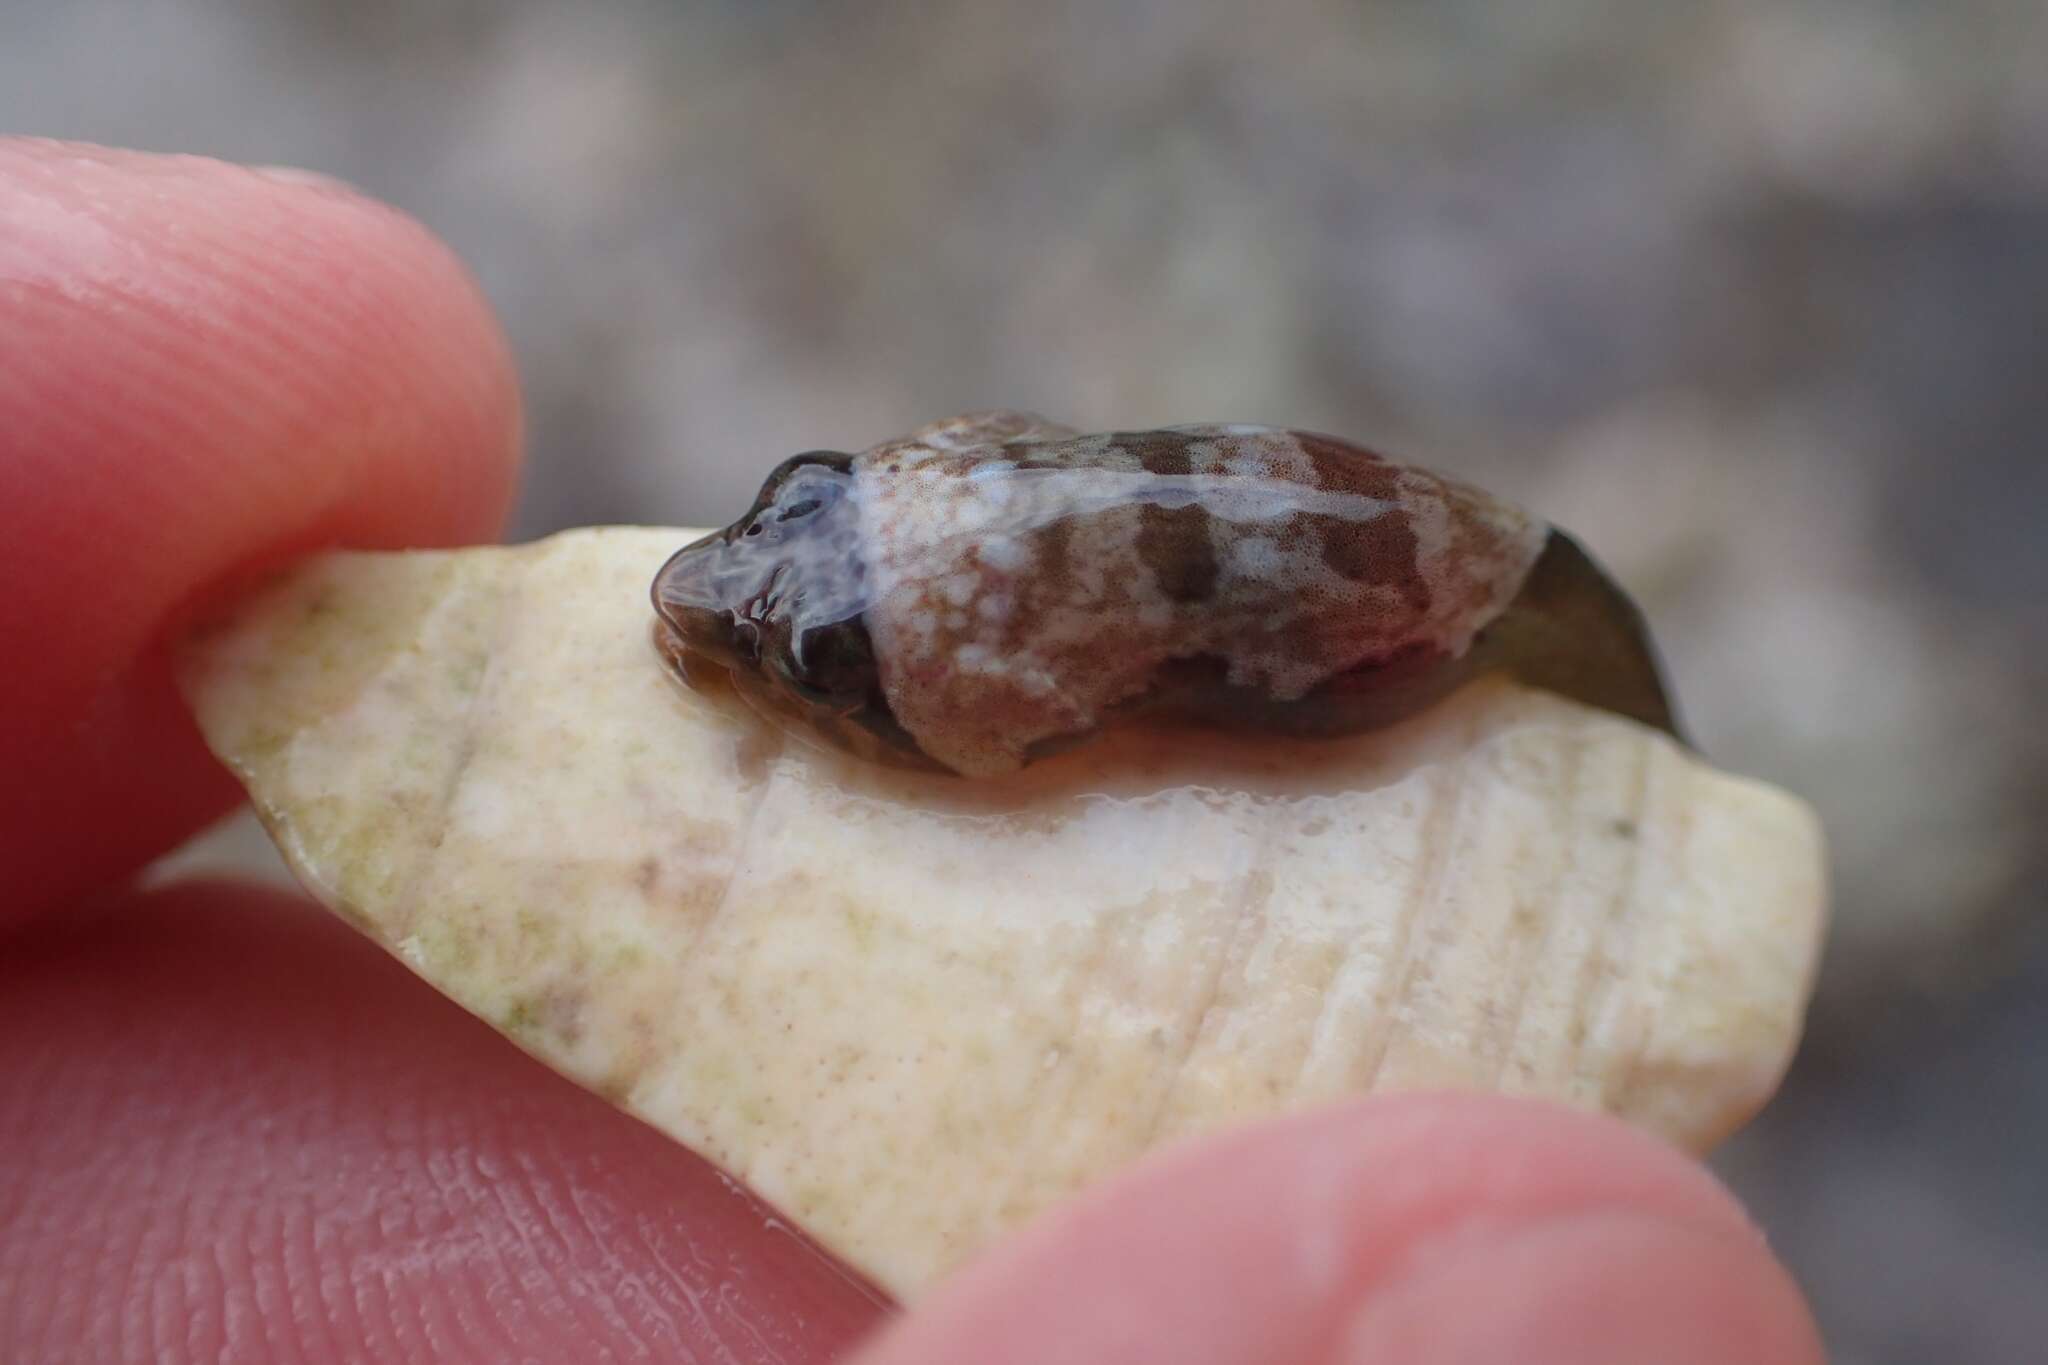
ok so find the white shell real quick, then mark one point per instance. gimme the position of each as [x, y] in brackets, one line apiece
[911, 1012]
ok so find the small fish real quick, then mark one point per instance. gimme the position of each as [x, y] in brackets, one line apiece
[995, 587]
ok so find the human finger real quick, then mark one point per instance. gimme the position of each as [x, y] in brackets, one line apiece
[203, 369]
[233, 1130]
[1424, 1230]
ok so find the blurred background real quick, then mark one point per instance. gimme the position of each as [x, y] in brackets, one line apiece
[1751, 293]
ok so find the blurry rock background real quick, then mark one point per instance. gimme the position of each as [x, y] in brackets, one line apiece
[1752, 295]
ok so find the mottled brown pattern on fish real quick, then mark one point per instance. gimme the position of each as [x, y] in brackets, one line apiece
[994, 585]
[1380, 552]
[1175, 546]
[1029, 588]
[1353, 468]
[1157, 452]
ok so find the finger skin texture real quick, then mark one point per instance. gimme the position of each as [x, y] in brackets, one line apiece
[230, 1130]
[203, 370]
[1424, 1230]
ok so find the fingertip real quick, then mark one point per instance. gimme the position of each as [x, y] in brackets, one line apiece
[1281, 1243]
[198, 347]
[1615, 1287]
[207, 369]
[233, 1129]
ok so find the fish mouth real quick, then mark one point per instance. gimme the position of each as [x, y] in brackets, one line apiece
[715, 635]
[693, 603]
[694, 668]
[863, 726]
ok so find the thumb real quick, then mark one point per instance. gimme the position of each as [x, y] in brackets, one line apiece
[1426, 1230]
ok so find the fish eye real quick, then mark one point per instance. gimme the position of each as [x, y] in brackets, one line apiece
[804, 471]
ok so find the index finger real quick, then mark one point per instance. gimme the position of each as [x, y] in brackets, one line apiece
[203, 369]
